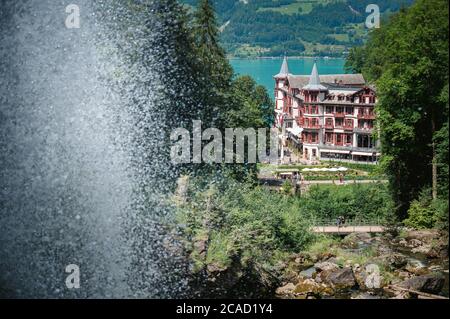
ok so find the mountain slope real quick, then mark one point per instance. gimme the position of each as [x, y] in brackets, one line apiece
[295, 27]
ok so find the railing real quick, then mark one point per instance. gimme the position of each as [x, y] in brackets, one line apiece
[329, 126]
[366, 116]
[348, 128]
[326, 222]
[363, 129]
[339, 114]
[312, 126]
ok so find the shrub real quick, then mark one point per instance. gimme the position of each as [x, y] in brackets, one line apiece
[425, 212]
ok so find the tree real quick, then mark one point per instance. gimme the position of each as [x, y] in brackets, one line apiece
[408, 61]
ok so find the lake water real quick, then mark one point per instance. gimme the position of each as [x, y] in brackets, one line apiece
[263, 70]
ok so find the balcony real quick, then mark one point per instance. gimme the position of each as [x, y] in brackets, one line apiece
[311, 126]
[348, 147]
[339, 114]
[329, 126]
[366, 116]
[367, 130]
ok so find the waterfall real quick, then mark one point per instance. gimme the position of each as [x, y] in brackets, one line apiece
[83, 169]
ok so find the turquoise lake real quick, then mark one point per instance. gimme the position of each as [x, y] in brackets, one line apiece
[263, 70]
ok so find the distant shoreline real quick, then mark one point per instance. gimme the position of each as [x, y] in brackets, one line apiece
[289, 57]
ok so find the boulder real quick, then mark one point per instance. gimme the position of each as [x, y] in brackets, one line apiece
[423, 249]
[338, 278]
[393, 260]
[326, 266]
[414, 243]
[428, 283]
[285, 290]
[309, 286]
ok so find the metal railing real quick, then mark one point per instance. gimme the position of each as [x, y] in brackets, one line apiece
[327, 222]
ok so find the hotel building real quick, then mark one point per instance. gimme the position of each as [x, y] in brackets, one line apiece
[330, 117]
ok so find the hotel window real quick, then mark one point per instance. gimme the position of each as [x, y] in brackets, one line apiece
[329, 138]
[315, 109]
[339, 109]
[329, 109]
[349, 139]
[314, 137]
[349, 123]
[348, 110]
[339, 123]
[329, 122]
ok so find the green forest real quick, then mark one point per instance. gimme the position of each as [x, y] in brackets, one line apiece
[294, 27]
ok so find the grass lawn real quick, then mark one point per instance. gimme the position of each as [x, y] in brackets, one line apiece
[299, 7]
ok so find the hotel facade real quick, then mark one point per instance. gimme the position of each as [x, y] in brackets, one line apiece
[329, 117]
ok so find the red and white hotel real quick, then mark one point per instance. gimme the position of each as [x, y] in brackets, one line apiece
[330, 116]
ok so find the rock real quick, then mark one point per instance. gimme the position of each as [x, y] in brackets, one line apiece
[326, 266]
[339, 278]
[393, 260]
[365, 295]
[435, 268]
[428, 283]
[414, 243]
[355, 240]
[403, 242]
[309, 286]
[213, 268]
[201, 246]
[422, 235]
[285, 290]
[424, 249]
[404, 275]
[416, 267]
[401, 295]
[324, 256]
[308, 273]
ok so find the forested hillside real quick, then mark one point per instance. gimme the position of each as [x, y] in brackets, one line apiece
[295, 27]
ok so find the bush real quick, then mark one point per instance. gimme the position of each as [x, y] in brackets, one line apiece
[425, 212]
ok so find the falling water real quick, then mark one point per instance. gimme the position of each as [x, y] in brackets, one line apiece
[83, 166]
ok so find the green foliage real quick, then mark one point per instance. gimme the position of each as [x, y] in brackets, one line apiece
[242, 221]
[285, 26]
[427, 213]
[287, 187]
[365, 202]
[407, 58]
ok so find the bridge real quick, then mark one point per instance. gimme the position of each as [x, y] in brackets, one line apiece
[344, 230]
[349, 227]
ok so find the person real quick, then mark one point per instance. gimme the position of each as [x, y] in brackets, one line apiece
[338, 222]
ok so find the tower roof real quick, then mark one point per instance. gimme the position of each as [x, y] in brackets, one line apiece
[314, 81]
[284, 71]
